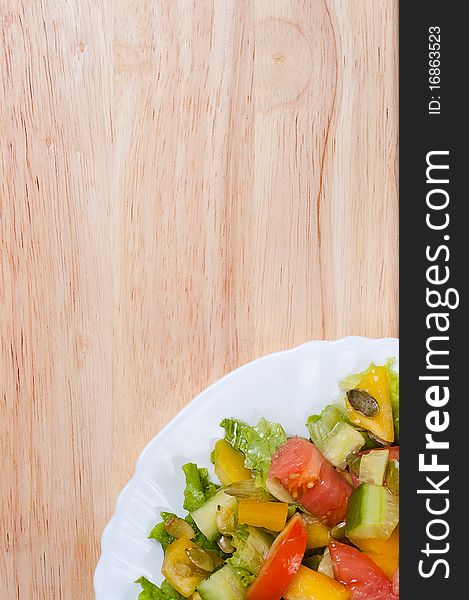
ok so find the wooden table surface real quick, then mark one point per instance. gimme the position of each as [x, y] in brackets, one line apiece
[186, 185]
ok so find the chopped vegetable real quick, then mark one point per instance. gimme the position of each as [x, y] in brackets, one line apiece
[395, 582]
[159, 532]
[308, 584]
[205, 516]
[229, 463]
[376, 384]
[226, 519]
[152, 592]
[248, 489]
[312, 562]
[373, 513]
[224, 543]
[224, 584]
[311, 480]
[321, 425]
[245, 576]
[385, 553]
[198, 487]
[252, 546]
[318, 533]
[282, 562]
[373, 466]
[270, 515]
[340, 443]
[392, 477]
[338, 532]
[394, 394]
[257, 443]
[359, 574]
[325, 566]
[179, 570]
[178, 528]
[203, 560]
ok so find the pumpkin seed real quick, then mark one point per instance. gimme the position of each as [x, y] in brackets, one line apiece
[278, 491]
[179, 528]
[392, 477]
[226, 520]
[217, 561]
[200, 559]
[225, 544]
[338, 532]
[363, 402]
[248, 489]
[353, 462]
[377, 439]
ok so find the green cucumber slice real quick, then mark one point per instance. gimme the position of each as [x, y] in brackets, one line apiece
[342, 441]
[392, 477]
[224, 584]
[373, 467]
[373, 512]
[321, 425]
[205, 517]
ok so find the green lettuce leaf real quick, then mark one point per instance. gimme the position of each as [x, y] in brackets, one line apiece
[152, 592]
[351, 381]
[246, 577]
[159, 532]
[321, 425]
[203, 542]
[257, 443]
[199, 488]
[252, 545]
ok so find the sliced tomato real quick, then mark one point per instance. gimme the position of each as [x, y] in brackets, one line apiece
[282, 562]
[296, 463]
[360, 574]
[311, 480]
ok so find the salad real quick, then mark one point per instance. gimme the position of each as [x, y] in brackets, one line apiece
[290, 517]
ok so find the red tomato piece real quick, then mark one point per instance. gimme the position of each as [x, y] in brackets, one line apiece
[296, 463]
[282, 562]
[360, 574]
[311, 480]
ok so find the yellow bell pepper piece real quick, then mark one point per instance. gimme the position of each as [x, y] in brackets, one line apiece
[385, 553]
[376, 384]
[229, 464]
[310, 585]
[178, 569]
[318, 534]
[271, 515]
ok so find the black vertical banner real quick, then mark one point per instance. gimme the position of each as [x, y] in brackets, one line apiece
[434, 268]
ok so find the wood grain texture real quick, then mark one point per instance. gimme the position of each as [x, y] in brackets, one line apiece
[185, 185]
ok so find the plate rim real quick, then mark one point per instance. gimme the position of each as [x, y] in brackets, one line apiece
[186, 409]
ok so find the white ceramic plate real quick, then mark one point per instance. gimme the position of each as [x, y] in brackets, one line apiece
[286, 387]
